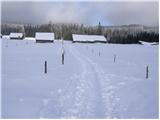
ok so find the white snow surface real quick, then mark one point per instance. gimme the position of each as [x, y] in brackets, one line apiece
[16, 35]
[88, 38]
[44, 36]
[89, 84]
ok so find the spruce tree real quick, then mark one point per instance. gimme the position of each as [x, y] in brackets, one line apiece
[99, 31]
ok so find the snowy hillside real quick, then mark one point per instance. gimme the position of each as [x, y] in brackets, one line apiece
[96, 80]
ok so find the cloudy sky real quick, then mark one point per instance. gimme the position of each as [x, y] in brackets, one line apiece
[89, 13]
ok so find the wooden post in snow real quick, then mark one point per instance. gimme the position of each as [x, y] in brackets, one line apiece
[63, 52]
[99, 53]
[114, 58]
[147, 71]
[87, 47]
[92, 50]
[62, 58]
[6, 44]
[45, 67]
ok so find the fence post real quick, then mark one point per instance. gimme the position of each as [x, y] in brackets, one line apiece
[62, 58]
[6, 44]
[99, 53]
[45, 65]
[114, 58]
[92, 50]
[87, 47]
[147, 71]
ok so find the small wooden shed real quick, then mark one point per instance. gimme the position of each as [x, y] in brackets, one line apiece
[17, 36]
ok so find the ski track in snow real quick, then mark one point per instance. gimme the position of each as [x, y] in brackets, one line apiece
[87, 95]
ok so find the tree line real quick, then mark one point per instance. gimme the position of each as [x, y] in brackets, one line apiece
[131, 39]
[65, 31]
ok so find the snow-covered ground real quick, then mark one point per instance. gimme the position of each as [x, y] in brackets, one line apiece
[89, 84]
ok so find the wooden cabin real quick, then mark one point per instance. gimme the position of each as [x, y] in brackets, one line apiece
[88, 38]
[17, 36]
[44, 37]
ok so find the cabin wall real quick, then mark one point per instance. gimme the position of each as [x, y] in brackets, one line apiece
[44, 41]
[15, 38]
[89, 41]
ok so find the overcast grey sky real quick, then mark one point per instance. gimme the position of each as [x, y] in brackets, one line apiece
[89, 13]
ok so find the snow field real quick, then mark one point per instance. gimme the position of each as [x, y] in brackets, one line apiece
[89, 85]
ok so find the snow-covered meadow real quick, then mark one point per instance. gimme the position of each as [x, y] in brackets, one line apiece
[89, 84]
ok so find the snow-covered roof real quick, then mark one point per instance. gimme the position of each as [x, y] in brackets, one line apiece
[148, 43]
[29, 38]
[90, 38]
[44, 36]
[5, 36]
[16, 35]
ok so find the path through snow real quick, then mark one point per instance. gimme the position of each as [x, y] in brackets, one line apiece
[87, 95]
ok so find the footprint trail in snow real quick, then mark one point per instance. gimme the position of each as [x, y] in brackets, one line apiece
[87, 95]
